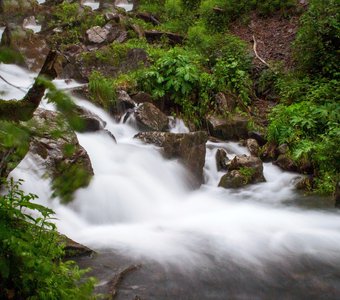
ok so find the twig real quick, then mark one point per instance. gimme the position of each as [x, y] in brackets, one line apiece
[256, 54]
[118, 278]
[15, 86]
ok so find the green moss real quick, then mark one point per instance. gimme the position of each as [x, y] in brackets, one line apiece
[247, 173]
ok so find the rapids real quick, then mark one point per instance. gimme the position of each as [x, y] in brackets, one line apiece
[212, 243]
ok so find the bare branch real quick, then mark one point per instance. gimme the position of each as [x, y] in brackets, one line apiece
[256, 54]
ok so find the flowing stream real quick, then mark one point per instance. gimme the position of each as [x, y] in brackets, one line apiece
[212, 243]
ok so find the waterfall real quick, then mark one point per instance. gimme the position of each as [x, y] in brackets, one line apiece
[138, 205]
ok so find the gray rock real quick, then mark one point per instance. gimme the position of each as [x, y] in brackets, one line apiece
[150, 118]
[124, 102]
[243, 170]
[97, 34]
[221, 160]
[235, 127]
[189, 148]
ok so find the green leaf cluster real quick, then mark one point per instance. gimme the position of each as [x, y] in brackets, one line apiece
[31, 261]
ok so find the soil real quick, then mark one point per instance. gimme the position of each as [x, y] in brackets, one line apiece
[274, 36]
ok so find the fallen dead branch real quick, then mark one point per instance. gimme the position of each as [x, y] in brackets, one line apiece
[257, 55]
[115, 282]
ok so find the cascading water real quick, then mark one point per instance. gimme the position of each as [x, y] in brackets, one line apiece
[211, 243]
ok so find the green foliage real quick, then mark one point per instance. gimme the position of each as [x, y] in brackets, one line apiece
[191, 5]
[230, 76]
[247, 173]
[317, 43]
[218, 14]
[178, 76]
[31, 264]
[102, 90]
[9, 56]
[74, 20]
[309, 123]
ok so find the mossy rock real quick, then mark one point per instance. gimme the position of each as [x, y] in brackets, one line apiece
[57, 146]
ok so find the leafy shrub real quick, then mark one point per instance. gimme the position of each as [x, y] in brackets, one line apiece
[31, 265]
[230, 76]
[178, 76]
[309, 123]
[317, 43]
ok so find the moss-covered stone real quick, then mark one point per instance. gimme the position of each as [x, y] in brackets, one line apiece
[57, 146]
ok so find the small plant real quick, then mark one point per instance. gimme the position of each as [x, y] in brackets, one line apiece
[102, 90]
[247, 173]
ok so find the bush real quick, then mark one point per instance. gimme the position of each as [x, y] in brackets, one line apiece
[309, 123]
[31, 265]
[317, 43]
[178, 76]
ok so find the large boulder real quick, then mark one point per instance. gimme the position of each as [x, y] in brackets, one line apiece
[189, 148]
[232, 128]
[150, 118]
[57, 147]
[243, 170]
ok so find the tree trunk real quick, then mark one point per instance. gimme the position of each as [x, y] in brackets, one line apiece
[13, 110]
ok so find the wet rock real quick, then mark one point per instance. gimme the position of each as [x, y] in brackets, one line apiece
[234, 127]
[233, 180]
[150, 118]
[90, 121]
[221, 160]
[156, 36]
[258, 136]
[189, 148]
[59, 152]
[269, 152]
[253, 147]
[74, 249]
[243, 170]
[286, 163]
[124, 102]
[249, 162]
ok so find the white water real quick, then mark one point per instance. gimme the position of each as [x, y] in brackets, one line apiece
[92, 4]
[138, 204]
